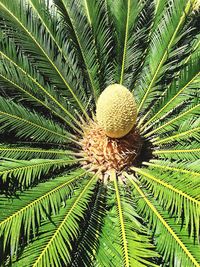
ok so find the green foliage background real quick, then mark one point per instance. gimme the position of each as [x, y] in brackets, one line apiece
[55, 60]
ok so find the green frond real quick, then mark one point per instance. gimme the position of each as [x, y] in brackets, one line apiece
[26, 172]
[109, 250]
[15, 14]
[55, 245]
[25, 124]
[48, 18]
[132, 11]
[140, 37]
[88, 242]
[18, 71]
[179, 91]
[192, 52]
[124, 243]
[98, 15]
[160, 6]
[129, 31]
[84, 40]
[32, 251]
[174, 167]
[28, 153]
[180, 152]
[135, 252]
[189, 134]
[124, 240]
[179, 165]
[150, 17]
[27, 209]
[171, 240]
[191, 111]
[176, 193]
[163, 40]
[189, 130]
[195, 48]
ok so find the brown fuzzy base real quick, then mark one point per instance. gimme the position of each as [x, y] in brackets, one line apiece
[105, 153]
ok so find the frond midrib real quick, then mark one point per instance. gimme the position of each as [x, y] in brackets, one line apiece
[121, 220]
[38, 126]
[51, 62]
[187, 133]
[165, 224]
[82, 53]
[171, 100]
[172, 120]
[162, 151]
[43, 89]
[185, 11]
[35, 165]
[125, 42]
[166, 185]
[171, 168]
[64, 220]
[37, 201]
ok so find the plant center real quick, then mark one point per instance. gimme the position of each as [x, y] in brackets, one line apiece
[104, 153]
[112, 141]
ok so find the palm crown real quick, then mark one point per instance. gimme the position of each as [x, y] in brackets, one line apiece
[56, 58]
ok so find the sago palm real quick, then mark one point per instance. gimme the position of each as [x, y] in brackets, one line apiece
[100, 130]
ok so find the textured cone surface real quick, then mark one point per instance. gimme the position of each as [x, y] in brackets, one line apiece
[116, 111]
[105, 153]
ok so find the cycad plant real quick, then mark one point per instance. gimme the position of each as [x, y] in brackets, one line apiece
[100, 130]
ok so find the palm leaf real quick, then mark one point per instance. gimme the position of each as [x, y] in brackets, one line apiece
[87, 244]
[187, 83]
[83, 39]
[126, 242]
[129, 32]
[59, 240]
[190, 111]
[28, 153]
[135, 252]
[175, 15]
[163, 185]
[101, 25]
[25, 172]
[188, 129]
[37, 203]
[17, 69]
[16, 13]
[27, 124]
[61, 201]
[183, 166]
[47, 19]
[184, 152]
[165, 228]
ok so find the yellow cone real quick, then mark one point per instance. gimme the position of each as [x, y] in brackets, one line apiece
[116, 111]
